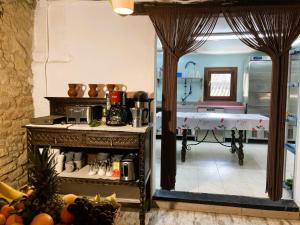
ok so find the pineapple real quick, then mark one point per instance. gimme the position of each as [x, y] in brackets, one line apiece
[42, 177]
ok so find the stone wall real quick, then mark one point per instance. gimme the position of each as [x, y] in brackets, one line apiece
[16, 104]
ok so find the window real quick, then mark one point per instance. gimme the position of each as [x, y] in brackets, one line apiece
[220, 83]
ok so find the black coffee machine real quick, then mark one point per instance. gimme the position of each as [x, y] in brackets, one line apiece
[117, 113]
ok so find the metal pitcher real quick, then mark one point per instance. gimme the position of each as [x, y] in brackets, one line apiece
[137, 116]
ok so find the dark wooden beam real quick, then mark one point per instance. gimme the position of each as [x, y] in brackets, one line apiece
[141, 7]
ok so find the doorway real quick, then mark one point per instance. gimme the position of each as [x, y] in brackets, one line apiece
[210, 166]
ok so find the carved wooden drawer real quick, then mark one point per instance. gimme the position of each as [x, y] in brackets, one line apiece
[56, 139]
[127, 141]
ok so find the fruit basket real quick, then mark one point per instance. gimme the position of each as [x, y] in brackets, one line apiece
[42, 205]
[117, 216]
[104, 211]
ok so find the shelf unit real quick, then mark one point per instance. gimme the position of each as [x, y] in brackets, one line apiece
[182, 78]
[82, 138]
[98, 141]
[291, 118]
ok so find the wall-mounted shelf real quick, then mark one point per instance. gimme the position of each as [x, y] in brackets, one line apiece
[291, 117]
[290, 147]
[182, 78]
[293, 84]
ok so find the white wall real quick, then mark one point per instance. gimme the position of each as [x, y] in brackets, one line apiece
[88, 43]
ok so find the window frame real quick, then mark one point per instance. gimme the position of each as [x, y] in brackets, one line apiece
[219, 70]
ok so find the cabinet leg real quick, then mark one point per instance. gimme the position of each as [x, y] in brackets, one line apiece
[142, 215]
[148, 195]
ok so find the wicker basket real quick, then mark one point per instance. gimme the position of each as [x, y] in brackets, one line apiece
[117, 216]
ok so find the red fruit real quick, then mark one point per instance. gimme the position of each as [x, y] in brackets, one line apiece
[66, 217]
[6, 209]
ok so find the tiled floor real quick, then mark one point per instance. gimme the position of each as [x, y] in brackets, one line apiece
[175, 217]
[211, 168]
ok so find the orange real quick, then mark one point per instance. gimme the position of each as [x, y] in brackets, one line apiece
[14, 219]
[42, 219]
[5, 210]
[17, 224]
[66, 217]
[2, 219]
[69, 198]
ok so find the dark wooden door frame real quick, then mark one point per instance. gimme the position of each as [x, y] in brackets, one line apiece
[210, 70]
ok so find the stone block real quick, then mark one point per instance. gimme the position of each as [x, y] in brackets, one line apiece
[6, 124]
[23, 180]
[8, 168]
[17, 173]
[5, 160]
[22, 158]
[3, 152]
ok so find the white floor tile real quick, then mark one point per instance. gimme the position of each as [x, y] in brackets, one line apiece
[212, 168]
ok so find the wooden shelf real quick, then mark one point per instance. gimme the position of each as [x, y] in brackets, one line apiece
[81, 176]
[76, 180]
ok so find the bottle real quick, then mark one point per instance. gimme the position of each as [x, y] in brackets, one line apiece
[103, 119]
[107, 101]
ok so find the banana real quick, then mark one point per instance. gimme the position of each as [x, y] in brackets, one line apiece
[111, 198]
[97, 198]
[4, 200]
[9, 193]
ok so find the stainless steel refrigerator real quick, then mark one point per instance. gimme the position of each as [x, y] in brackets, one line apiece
[257, 90]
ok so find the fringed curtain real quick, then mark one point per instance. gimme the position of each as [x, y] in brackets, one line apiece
[270, 29]
[181, 31]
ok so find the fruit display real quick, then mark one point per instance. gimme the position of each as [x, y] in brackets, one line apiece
[14, 219]
[69, 198]
[43, 206]
[42, 177]
[2, 219]
[95, 212]
[8, 193]
[6, 210]
[42, 219]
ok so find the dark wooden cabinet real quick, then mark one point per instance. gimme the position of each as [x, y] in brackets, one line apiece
[139, 142]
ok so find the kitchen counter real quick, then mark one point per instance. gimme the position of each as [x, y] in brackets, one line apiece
[227, 106]
[222, 104]
[127, 128]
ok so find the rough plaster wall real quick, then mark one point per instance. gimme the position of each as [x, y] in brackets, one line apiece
[16, 104]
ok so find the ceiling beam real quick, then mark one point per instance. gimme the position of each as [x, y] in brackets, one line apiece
[141, 7]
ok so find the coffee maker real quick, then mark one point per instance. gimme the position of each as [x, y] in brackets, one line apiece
[117, 111]
[141, 109]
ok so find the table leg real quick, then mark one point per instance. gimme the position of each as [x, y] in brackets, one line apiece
[184, 144]
[240, 149]
[233, 145]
